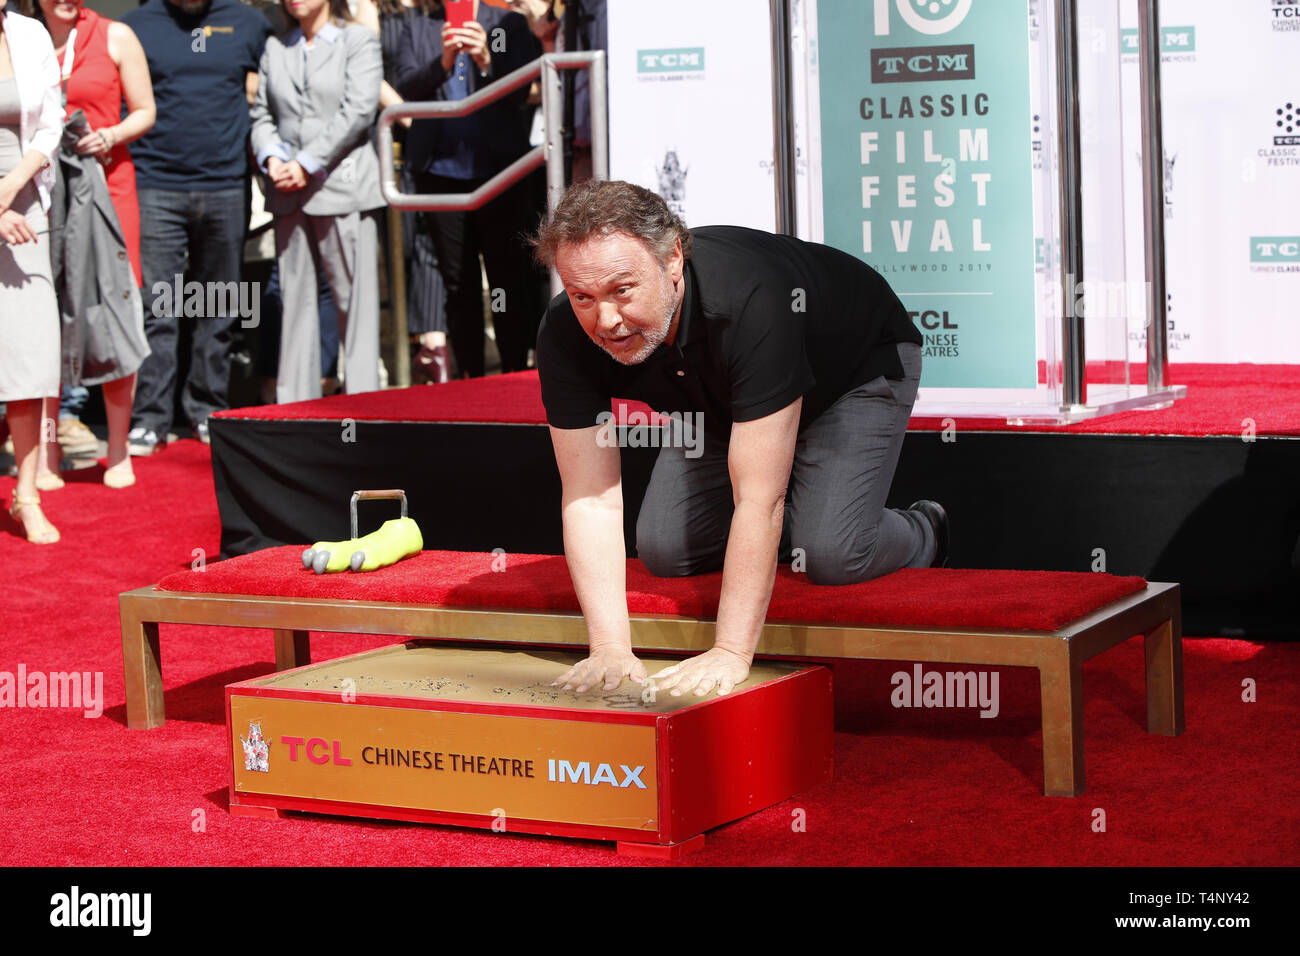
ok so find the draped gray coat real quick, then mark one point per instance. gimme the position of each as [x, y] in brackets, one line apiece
[103, 320]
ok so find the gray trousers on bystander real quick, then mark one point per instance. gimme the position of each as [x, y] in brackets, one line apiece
[835, 515]
[346, 248]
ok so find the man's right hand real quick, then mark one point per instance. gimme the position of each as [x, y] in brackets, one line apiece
[604, 664]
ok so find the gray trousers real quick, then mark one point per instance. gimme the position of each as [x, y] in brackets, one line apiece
[836, 521]
[347, 249]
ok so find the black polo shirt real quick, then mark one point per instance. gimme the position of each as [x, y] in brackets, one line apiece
[764, 320]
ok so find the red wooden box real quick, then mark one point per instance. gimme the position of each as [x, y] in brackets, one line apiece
[445, 733]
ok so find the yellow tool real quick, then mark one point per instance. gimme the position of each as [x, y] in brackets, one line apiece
[396, 539]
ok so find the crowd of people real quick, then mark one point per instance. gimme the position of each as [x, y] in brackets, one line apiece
[128, 151]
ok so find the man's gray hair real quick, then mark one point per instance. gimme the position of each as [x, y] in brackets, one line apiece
[598, 208]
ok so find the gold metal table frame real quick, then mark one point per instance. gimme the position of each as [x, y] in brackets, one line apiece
[1155, 612]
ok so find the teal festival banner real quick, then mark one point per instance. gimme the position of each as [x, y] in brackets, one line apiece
[926, 173]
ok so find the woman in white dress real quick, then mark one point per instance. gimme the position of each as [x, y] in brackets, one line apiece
[31, 122]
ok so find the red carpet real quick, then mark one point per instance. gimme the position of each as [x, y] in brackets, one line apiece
[1219, 398]
[929, 597]
[911, 786]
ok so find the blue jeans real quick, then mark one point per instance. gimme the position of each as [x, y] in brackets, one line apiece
[72, 401]
[198, 235]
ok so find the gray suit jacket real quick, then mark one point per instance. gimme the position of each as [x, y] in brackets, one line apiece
[103, 325]
[319, 112]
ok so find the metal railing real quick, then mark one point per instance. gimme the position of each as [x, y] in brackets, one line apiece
[549, 153]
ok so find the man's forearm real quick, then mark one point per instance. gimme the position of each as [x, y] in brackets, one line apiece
[594, 547]
[747, 575]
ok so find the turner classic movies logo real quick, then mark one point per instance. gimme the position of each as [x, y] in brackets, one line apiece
[1275, 254]
[672, 64]
[917, 63]
[1177, 44]
[1285, 150]
[913, 64]
[1285, 15]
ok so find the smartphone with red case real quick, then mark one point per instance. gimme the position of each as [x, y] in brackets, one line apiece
[459, 12]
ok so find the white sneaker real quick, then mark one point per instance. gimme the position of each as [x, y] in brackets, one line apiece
[142, 441]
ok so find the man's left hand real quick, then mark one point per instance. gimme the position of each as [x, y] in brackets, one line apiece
[716, 668]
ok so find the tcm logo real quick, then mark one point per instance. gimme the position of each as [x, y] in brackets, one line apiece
[561, 771]
[1275, 248]
[909, 64]
[1172, 40]
[932, 19]
[681, 60]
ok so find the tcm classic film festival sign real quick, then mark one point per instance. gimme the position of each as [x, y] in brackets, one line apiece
[926, 173]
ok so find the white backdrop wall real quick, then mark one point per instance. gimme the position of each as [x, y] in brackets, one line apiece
[690, 103]
[1230, 73]
[690, 94]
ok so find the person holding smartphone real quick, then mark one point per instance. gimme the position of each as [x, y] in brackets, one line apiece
[449, 58]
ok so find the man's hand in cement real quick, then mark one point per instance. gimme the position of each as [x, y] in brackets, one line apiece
[609, 664]
[717, 668]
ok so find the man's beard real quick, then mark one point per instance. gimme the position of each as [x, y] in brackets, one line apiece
[651, 339]
[193, 7]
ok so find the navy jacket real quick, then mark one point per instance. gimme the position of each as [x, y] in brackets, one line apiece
[483, 143]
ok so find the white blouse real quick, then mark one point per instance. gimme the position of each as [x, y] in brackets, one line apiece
[36, 74]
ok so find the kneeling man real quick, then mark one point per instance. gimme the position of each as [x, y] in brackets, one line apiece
[789, 370]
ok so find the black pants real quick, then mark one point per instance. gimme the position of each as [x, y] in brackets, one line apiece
[844, 463]
[498, 231]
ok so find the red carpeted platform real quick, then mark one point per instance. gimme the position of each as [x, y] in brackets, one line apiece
[1219, 398]
[912, 786]
[929, 597]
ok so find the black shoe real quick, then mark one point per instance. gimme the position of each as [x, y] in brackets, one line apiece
[933, 512]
